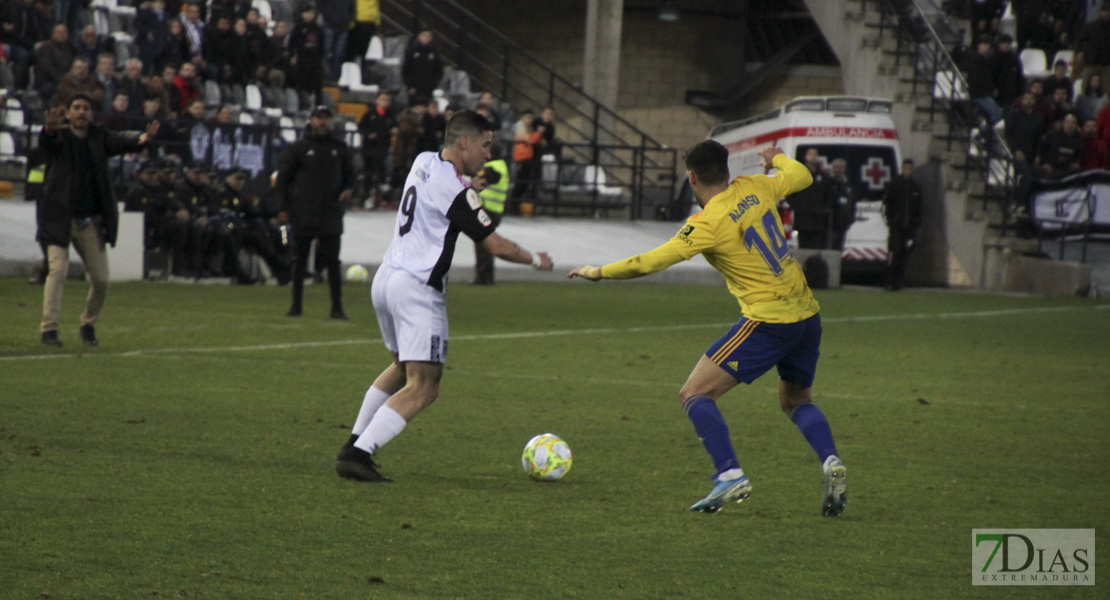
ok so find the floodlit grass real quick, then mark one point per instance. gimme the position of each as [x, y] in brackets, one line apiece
[191, 454]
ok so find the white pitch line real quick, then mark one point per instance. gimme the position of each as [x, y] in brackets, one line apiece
[552, 333]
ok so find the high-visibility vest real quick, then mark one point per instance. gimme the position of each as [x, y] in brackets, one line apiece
[36, 174]
[368, 11]
[493, 197]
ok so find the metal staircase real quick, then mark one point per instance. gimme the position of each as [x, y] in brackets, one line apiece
[631, 170]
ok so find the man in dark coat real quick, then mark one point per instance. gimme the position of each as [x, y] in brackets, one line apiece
[423, 67]
[314, 185]
[812, 217]
[78, 206]
[902, 209]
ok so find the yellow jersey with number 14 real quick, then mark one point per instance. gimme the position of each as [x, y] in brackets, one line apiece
[740, 234]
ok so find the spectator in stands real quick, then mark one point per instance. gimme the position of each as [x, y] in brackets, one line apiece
[190, 118]
[812, 215]
[131, 83]
[118, 117]
[548, 144]
[79, 81]
[1060, 106]
[219, 51]
[1025, 126]
[337, 16]
[154, 111]
[492, 110]
[306, 54]
[1095, 153]
[91, 45]
[1007, 72]
[980, 83]
[53, 59]
[78, 206]
[151, 31]
[902, 211]
[1060, 149]
[377, 128]
[432, 129]
[1093, 45]
[1059, 80]
[194, 32]
[404, 142]
[1041, 103]
[1090, 101]
[22, 28]
[187, 86]
[279, 47]
[493, 181]
[367, 20]
[257, 42]
[525, 139]
[176, 51]
[106, 79]
[983, 12]
[243, 61]
[156, 88]
[422, 68]
[240, 9]
[223, 115]
[68, 13]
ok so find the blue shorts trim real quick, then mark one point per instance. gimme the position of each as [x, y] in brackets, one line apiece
[751, 348]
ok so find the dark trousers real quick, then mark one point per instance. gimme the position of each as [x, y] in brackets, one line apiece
[327, 251]
[898, 249]
[527, 176]
[483, 258]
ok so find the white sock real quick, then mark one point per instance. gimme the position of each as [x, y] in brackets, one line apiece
[373, 400]
[731, 474]
[386, 425]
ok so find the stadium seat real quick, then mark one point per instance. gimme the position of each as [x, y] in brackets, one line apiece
[349, 73]
[292, 102]
[13, 114]
[245, 118]
[253, 99]
[950, 86]
[594, 176]
[238, 95]
[211, 94]
[288, 130]
[1077, 88]
[1034, 62]
[264, 9]
[351, 135]
[8, 152]
[375, 50]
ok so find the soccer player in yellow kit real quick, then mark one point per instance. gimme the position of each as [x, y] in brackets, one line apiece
[740, 234]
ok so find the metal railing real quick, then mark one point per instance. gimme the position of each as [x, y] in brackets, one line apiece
[938, 78]
[591, 133]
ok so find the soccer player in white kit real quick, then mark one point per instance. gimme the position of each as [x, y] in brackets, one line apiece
[408, 289]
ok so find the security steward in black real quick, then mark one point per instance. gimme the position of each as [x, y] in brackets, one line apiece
[243, 223]
[902, 209]
[314, 184]
[165, 220]
[196, 194]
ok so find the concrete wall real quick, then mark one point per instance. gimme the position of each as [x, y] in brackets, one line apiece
[659, 62]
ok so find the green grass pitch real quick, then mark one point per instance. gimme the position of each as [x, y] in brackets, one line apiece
[191, 455]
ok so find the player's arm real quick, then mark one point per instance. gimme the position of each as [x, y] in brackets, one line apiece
[509, 250]
[467, 214]
[636, 266]
[792, 177]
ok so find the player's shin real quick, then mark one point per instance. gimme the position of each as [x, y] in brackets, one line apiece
[815, 428]
[710, 426]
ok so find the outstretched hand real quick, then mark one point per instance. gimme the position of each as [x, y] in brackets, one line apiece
[546, 264]
[151, 131]
[768, 155]
[586, 272]
[54, 118]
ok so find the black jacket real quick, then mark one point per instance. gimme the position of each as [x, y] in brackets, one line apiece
[312, 174]
[811, 209]
[902, 204]
[55, 209]
[422, 69]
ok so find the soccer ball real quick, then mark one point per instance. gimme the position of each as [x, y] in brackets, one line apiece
[357, 274]
[546, 458]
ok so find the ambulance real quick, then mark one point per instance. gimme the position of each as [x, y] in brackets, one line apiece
[859, 130]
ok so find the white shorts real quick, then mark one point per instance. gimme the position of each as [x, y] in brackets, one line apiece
[411, 315]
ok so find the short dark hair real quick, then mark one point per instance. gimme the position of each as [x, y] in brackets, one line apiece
[908, 161]
[465, 122]
[709, 162]
[79, 96]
